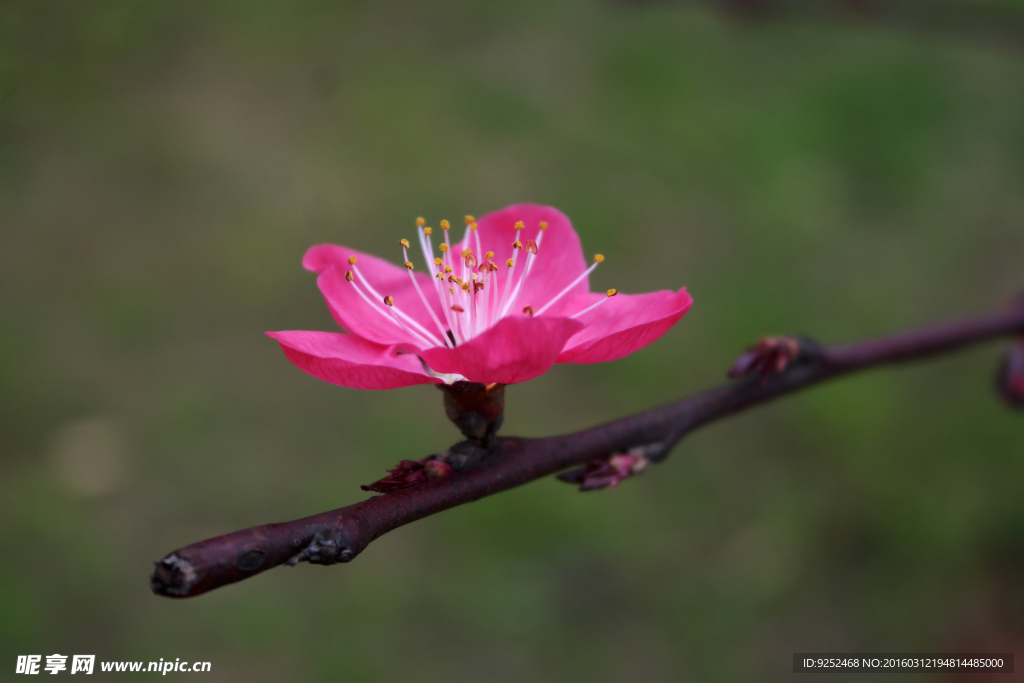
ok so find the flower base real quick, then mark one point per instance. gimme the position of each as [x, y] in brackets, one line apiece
[476, 409]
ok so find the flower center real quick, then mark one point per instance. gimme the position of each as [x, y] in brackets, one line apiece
[467, 285]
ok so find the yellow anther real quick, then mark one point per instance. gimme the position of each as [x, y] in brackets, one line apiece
[519, 225]
[440, 276]
[543, 225]
[443, 247]
[428, 231]
[465, 286]
[470, 220]
[404, 243]
[528, 311]
[352, 260]
[517, 245]
[493, 267]
[408, 264]
[598, 258]
[531, 247]
[349, 276]
[447, 269]
[438, 262]
[420, 222]
[451, 291]
[472, 226]
[509, 263]
[489, 255]
[466, 252]
[389, 301]
[612, 292]
[445, 225]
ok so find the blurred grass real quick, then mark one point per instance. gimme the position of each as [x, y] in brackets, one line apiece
[164, 166]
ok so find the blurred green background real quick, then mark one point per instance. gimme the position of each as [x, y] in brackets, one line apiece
[163, 167]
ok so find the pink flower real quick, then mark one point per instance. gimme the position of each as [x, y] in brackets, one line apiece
[501, 306]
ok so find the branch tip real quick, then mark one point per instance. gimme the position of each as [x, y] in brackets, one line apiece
[173, 576]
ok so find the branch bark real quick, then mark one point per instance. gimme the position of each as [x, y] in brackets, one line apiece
[340, 535]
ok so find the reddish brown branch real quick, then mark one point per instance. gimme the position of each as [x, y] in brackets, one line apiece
[340, 535]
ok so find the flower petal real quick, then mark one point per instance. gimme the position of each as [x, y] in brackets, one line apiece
[623, 324]
[350, 361]
[559, 260]
[516, 349]
[372, 320]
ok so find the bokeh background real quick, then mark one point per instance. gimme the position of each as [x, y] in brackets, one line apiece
[832, 168]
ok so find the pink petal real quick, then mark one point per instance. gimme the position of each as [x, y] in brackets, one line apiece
[350, 361]
[372, 320]
[623, 324]
[558, 262]
[516, 349]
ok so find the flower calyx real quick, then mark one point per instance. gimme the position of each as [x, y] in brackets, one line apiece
[476, 409]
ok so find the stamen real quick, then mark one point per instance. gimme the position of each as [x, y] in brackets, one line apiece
[358, 280]
[420, 223]
[470, 221]
[445, 224]
[404, 242]
[426, 340]
[348, 276]
[473, 331]
[611, 293]
[476, 236]
[511, 264]
[489, 255]
[528, 311]
[390, 303]
[458, 309]
[423, 298]
[531, 249]
[492, 298]
[424, 235]
[428, 253]
[598, 258]
[444, 294]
